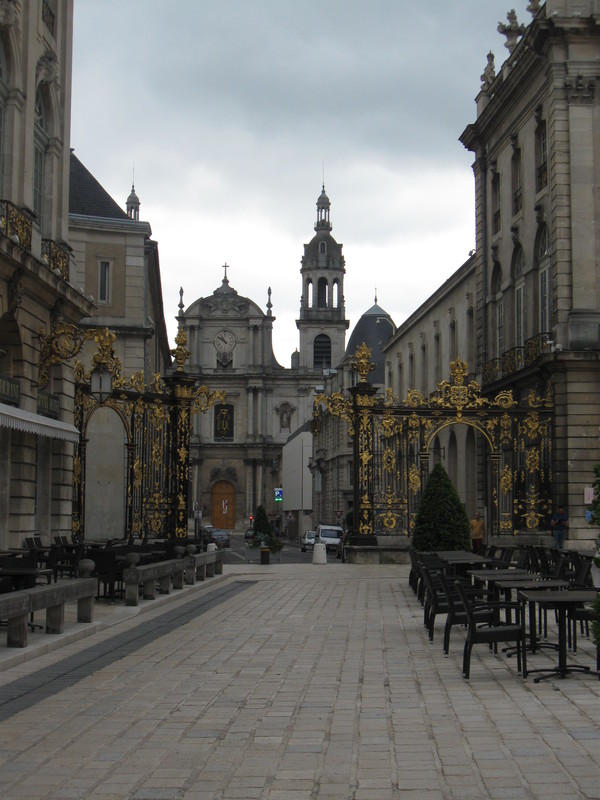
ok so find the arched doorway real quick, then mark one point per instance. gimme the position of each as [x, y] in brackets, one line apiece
[106, 476]
[223, 505]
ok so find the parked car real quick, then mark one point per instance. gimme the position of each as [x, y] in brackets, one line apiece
[307, 541]
[220, 538]
[329, 535]
[250, 534]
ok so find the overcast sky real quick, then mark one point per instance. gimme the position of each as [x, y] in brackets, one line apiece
[231, 112]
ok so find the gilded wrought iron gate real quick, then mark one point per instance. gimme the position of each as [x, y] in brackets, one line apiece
[393, 446]
[156, 419]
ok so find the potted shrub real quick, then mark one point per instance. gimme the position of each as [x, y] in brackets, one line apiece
[441, 522]
[265, 538]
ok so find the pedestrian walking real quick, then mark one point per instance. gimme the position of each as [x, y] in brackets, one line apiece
[477, 526]
[560, 527]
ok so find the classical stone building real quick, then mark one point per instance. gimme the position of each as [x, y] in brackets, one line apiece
[536, 142]
[117, 263]
[534, 282]
[418, 356]
[236, 449]
[37, 288]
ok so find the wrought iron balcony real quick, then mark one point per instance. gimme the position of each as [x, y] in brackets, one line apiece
[15, 224]
[516, 358]
[55, 258]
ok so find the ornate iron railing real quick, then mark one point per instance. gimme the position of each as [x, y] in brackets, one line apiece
[15, 224]
[55, 257]
[516, 358]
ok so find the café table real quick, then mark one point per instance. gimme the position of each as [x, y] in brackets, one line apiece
[524, 584]
[560, 601]
[491, 576]
[461, 561]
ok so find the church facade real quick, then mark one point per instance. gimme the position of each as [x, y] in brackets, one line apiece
[236, 448]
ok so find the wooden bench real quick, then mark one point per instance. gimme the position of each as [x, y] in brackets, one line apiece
[199, 566]
[148, 574]
[15, 607]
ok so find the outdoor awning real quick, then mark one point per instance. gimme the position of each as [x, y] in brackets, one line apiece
[20, 420]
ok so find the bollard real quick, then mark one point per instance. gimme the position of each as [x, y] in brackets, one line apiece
[265, 555]
[319, 554]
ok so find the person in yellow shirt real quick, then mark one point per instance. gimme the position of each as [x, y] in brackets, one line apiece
[477, 526]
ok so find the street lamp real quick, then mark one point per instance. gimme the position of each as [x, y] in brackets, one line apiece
[100, 384]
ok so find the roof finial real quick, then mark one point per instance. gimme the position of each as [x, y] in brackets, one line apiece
[225, 267]
[133, 202]
[269, 303]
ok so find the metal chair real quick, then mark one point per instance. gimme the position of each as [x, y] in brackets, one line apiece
[456, 611]
[497, 631]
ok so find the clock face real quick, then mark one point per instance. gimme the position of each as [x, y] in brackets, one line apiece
[224, 341]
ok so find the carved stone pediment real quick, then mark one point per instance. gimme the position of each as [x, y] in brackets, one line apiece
[224, 301]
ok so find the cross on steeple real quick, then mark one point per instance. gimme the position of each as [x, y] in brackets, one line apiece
[225, 267]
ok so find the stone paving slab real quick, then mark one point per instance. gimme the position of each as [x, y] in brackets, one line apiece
[308, 681]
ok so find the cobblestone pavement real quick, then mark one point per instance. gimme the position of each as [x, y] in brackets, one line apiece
[288, 683]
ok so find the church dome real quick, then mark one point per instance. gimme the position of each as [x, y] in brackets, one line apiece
[374, 328]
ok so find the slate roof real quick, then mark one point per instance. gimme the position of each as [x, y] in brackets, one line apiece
[374, 328]
[87, 197]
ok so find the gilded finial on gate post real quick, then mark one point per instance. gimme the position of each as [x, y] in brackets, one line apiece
[180, 353]
[362, 362]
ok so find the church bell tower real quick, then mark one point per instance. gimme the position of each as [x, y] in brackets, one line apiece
[322, 322]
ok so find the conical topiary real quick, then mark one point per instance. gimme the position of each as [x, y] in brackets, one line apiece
[262, 526]
[264, 531]
[441, 522]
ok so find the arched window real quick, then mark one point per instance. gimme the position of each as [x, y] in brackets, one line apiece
[518, 266]
[496, 205]
[423, 369]
[437, 358]
[322, 248]
[309, 293]
[541, 156]
[452, 340]
[322, 293]
[543, 262]
[336, 295]
[322, 352]
[497, 296]
[40, 145]
[516, 178]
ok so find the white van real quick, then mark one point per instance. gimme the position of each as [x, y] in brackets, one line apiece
[329, 535]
